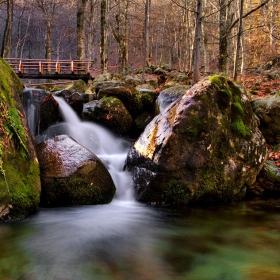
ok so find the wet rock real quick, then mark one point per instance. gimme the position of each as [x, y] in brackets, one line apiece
[72, 175]
[169, 95]
[41, 109]
[205, 147]
[267, 110]
[267, 184]
[109, 111]
[74, 99]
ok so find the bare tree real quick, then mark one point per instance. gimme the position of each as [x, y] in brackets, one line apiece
[7, 36]
[81, 32]
[146, 53]
[197, 42]
[119, 30]
[104, 36]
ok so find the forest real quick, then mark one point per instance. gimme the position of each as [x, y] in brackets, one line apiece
[229, 36]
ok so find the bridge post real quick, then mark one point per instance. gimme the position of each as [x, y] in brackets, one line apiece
[20, 67]
[41, 68]
[57, 68]
[72, 67]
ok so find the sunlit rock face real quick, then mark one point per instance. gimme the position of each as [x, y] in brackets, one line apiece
[72, 175]
[268, 111]
[205, 147]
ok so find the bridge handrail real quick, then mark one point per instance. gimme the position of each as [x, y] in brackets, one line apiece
[42, 66]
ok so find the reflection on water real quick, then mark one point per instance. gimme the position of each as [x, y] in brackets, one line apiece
[127, 240]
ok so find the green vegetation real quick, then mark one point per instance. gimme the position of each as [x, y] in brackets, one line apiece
[19, 171]
[176, 193]
[231, 96]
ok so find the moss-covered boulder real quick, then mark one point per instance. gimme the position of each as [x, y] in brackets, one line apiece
[19, 168]
[108, 111]
[268, 111]
[72, 175]
[205, 147]
[78, 86]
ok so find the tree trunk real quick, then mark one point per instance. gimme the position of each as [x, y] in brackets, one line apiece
[197, 40]
[223, 44]
[81, 33]
[104, 36]
[7, 36]
[235, 69]
[145, 56]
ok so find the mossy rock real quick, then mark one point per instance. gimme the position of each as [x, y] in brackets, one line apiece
[109, 111]
[19, 168]
[205, 147]
[78, 86]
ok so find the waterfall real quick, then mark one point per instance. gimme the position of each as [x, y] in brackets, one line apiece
[111, 150]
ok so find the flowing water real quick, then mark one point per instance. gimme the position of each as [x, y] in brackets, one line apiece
[131, 241]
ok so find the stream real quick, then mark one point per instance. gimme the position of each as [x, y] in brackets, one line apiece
[133, 241]
[128, 240]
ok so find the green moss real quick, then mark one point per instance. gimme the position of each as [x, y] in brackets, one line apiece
[19, 173]
[219, 80]
[23, 192]
[176, 193]
[240, 128]
[237, 107]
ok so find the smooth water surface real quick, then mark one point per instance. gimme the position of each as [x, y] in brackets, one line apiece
[127, 240]
[131, 241]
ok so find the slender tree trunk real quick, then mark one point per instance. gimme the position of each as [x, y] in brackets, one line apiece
[223, 43]
[7, 36]
[243, 46]
[145, 55]
[197, 41]
[274, 4]
[48, 42]
[235, 69]
[104, 36]
[81, 33]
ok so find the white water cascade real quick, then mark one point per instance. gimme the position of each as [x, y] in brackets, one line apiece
[111, 150]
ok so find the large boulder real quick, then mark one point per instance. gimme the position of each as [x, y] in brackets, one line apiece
[19, 169]
[110, 112]
[268, 111]
[204, 147]
[41, 109]
[72, 175]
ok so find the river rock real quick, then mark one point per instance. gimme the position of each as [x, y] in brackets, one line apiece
[19, 169]
[268, 111]
[267, 184]
[169, 95]
[108, 111]
[74, 99]
[205, 147]
[72, 175]
[78, 86]
[41, 109]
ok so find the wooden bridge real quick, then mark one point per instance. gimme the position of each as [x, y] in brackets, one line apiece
[52, 69]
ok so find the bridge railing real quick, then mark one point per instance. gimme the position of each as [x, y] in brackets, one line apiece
[45, 66]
